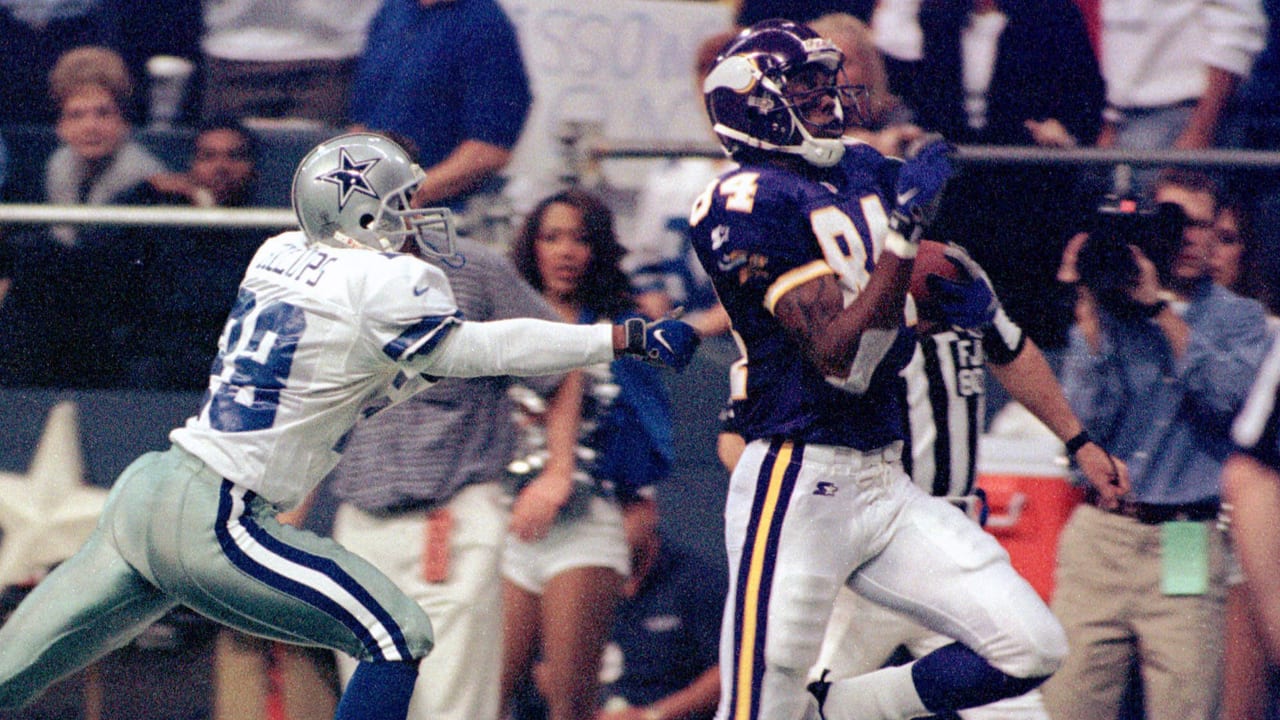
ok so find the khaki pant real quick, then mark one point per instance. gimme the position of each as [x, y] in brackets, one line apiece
[460, 679]
[1109, 600]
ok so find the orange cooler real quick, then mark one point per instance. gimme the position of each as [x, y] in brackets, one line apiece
[1030, 498]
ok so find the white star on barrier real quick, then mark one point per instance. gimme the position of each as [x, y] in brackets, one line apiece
[46, 514]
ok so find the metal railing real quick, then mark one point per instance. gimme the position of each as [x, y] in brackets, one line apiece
[594, 151]
[612, 149]
[34, 214]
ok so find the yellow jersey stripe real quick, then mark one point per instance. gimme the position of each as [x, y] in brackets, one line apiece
[793, 278]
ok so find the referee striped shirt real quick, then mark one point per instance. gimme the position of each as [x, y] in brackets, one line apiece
[945, 385]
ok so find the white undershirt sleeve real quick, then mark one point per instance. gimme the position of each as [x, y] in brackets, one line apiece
[520, 346]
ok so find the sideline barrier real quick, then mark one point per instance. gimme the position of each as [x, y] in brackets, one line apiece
[1030, 497]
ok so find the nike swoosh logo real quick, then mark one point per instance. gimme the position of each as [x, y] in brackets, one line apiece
[661, 337]
[906, 196]
[420, 291]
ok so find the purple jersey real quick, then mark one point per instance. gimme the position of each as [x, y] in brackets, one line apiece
[761, 231]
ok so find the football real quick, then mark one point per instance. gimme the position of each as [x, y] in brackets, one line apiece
[931, 260]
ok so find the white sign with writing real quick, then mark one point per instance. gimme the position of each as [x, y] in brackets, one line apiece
[615, 68]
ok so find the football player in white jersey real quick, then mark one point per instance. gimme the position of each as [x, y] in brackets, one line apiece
[332, 322]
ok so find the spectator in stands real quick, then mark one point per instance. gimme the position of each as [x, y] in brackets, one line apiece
[447, 74]
[566, 557]
[179, 316]
[1238, 260]
[223, 171]
[874, 115]
[98, 161]
[1011, 73]
[35, 35]
[47, 336]
[662, 659]
[1159, 364]
[1170, 70]
[659, 260]
[292, 60]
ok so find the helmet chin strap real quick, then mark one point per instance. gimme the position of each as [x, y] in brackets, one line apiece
[822, 152]
[819, 152]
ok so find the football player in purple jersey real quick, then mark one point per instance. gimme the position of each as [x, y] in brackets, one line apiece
[810, 243]
[964, 334]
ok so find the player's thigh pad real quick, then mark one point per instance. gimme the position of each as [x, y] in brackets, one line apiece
[862, 636]
[954, 578]
[798, 520]
[220, 550]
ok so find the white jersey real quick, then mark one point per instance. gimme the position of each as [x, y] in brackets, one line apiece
[318, 337]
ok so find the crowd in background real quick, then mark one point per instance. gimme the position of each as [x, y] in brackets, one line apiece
[85, 306]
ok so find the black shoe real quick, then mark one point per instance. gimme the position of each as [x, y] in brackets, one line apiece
[818, 689]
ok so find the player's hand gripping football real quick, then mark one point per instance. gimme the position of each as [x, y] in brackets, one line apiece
[969, 302]
[918, 191]
[667, 341]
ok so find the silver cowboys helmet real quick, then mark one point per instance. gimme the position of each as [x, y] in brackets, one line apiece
[748, 99]
[353, 191]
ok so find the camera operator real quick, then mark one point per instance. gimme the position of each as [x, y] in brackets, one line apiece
[1159, 363]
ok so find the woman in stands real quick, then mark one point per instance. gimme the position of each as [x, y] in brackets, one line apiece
[567, 555]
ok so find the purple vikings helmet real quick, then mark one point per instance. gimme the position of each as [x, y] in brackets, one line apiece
[747, 96]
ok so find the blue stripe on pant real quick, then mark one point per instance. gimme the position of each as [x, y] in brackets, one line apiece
[264, 557]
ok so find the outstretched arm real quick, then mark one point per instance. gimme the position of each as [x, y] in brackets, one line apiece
[527, 346]
[1029, 380]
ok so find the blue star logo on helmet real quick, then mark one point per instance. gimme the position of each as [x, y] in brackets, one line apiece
[350, 178]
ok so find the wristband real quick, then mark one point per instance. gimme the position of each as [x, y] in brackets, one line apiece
[635, 336]
[1080, 440]
[1155, 308]
[900, 246]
